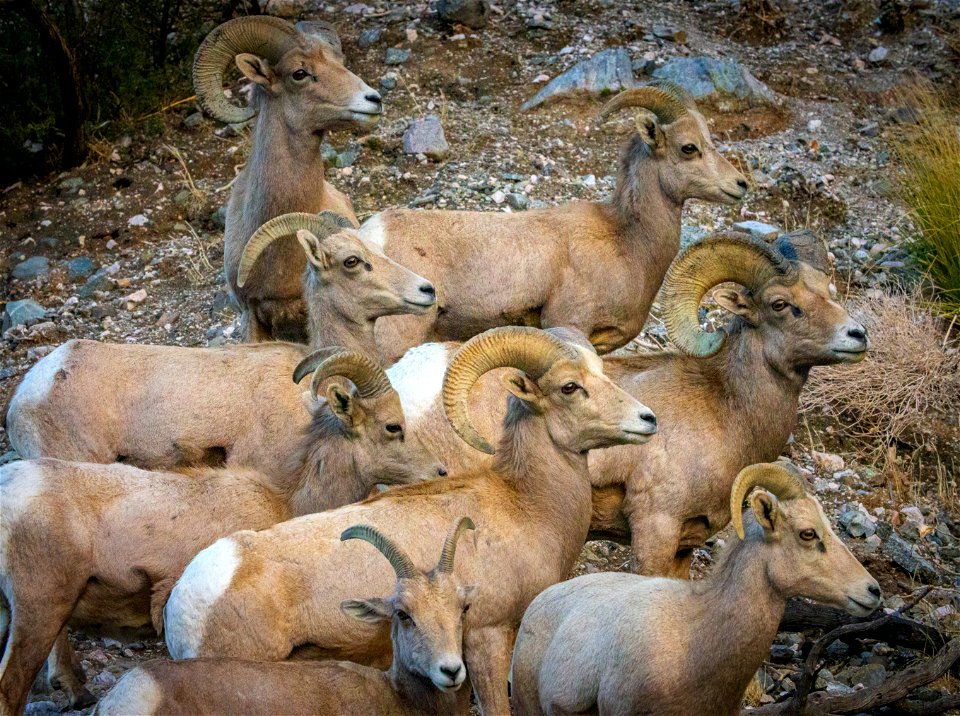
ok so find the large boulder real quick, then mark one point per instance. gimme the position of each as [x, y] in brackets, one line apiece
[724, 85]
[607, 72]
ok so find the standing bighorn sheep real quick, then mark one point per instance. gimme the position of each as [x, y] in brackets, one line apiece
[236, 405]
[588, 265]
[727, 400]
[300, 91]
[112, 539]
[532, 508]
[425, 614]
[614, 643]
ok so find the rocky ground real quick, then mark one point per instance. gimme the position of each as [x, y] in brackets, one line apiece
[128, 248]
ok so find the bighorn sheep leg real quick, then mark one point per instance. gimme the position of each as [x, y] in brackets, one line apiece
[488, 652]
[61, 674]
[657, 538]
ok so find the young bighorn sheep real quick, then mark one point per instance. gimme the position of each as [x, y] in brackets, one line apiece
[86, 400]
[86, 544]
[425, 613]
[300, 91]
[532, 507]
[592, 266]
[614, 643]
[726, 400]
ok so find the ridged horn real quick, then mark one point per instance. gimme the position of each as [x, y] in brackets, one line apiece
[531, 350]
[771, 476]
[401, 563]
[662, 103]
[323, 31]
[363, 372]
[722, 257]
[449, 552]
[320, 225]
[261, 35]
[675, 90]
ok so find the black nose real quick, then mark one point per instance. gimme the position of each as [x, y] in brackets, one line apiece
[742, 183]
[442, 471]
[374, 98]
[859, 333]
[428, 289]
[874, 589]
[451, 671]
[649, 417]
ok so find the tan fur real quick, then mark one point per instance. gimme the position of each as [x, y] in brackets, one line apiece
[591, 266]
[614, 643]
[531, 509]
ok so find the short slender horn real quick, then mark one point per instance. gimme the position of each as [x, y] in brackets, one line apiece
[449, 552]
[662, 103]
[363, 372]
[722, 257]
[771, 476]
[261, 35]
[320, 225]
[401, 563]
[531, 350]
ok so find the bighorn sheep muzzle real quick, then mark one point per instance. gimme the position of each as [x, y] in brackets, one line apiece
[529, 349]
[722, 257]
[320, 225]
[773, 477]
[366, 374]
[261, 35]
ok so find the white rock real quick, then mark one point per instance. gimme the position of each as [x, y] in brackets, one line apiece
[138, 220]
[498, 197]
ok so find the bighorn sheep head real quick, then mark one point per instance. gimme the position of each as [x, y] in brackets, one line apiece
[810, 559]
[671, 128]
[426, 610]
[584, 409]
[299, 66]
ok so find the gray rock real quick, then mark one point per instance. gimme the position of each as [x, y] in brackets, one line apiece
[33, 267]
[219, 218]
[690, 235]
[22, 313]
[100, 281]
[878, 55]
[907, 557]
[290, 8]
[346, 158]
[425, 136]
[759, 229]
[396, 56]
[71, 185]
[868, 675]
[669, 32]
[41, 708]
[192, 121]
[725, 84]
[518, 201]
[607, 72]
[370, 37]
[472, 13]
[857, 523]
[388, 81]
[80, 267]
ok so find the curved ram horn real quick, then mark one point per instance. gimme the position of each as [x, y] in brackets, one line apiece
[771, 476]
[261, 35]
[401, 563]
[320, 225]
[662, 103]
[323, 31]
[531, 350]
[363, 372]
[718, 258]
[449, 552]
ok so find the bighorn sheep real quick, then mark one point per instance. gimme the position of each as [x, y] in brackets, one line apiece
[726, 400]
[614, 643]
[300, 91]
[425, 614]
[591, 266]
[236, 405]
[89, 544]
[532, 507]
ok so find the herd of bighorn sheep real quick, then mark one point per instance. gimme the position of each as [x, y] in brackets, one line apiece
[215, 496]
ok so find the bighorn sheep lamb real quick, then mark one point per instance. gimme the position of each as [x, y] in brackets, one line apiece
[726, 400]
[425, 614]
[236, 405]
[300, 91]
[591, 266]
[614, 643]
[532, 507]
[89, 544]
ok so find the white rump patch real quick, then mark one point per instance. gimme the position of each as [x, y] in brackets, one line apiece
[136, 693]
[202, 584]
[38, 382]
[418, 378]
[374, 231]
[20, 485]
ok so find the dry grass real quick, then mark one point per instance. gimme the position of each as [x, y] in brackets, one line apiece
[754, 693]
[904, 398]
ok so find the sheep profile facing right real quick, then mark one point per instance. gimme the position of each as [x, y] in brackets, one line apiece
[615, 643]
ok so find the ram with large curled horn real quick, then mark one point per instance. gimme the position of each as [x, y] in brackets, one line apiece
[300, 90]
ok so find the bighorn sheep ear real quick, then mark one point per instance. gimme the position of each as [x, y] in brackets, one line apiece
[737, 301]
[766, 509]
[520, 385]
[313, 249]
[343, 405]
[256, 69]
[373, 611]
[648, 127]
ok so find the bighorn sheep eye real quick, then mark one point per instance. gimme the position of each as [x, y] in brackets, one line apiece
[689, 149]
[394, 428]
[351, 262]
[300, 75]
[779, 305]
[808, 534]
[404, 617]
[569, 388]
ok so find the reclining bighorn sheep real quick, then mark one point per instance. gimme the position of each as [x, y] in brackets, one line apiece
[726, 400]
[300, 91]
[112, 539]
[614, 643]
[425, 613]
[532, 508]
[588, 265]
[101, 402]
